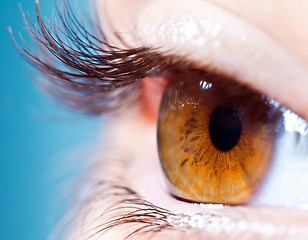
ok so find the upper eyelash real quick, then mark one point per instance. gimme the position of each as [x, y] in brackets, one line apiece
[86, 72]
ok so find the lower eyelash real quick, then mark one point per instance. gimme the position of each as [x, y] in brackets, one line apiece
[125, 212]
[83, 71]
[128, 208]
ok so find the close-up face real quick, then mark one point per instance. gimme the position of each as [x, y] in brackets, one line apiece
[205, 102]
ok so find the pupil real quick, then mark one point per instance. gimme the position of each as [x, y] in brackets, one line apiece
[225, 127]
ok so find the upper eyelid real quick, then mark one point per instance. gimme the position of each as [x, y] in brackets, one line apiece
[188, 55]
[231, 45]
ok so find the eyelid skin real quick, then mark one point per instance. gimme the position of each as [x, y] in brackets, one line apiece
[210, 36]
[290, 17]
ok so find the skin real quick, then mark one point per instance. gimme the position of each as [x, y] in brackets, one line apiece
[270, 30]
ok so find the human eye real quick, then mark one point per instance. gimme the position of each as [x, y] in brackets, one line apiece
[168, 52]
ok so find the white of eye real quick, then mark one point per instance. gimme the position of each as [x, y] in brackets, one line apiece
[287, 182]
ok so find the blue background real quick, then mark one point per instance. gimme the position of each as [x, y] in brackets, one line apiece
[33, 134]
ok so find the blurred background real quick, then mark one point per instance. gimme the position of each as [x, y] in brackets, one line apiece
[39, 140]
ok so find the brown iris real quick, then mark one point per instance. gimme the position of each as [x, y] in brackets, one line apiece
[215, 139]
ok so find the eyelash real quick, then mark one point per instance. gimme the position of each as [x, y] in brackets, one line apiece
[127, 208]
[83, 71]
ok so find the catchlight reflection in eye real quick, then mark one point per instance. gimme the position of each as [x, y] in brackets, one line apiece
[216, 139]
